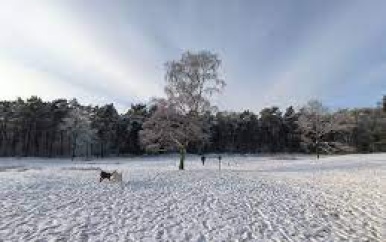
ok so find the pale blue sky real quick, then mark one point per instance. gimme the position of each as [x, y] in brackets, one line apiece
[274, 52]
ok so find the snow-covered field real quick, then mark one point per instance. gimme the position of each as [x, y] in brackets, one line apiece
[340, 198]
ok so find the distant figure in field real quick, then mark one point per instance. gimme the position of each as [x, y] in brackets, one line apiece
[203, 160]
[219, 162]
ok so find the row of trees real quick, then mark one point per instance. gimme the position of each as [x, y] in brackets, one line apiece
[185, 120]
[65, 128]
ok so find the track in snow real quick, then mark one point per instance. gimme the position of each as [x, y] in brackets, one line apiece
[255, 200]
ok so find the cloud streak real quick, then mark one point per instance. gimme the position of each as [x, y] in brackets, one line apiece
[79, 60]
[274, 53]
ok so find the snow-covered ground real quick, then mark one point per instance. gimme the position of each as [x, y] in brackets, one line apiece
[340, 198]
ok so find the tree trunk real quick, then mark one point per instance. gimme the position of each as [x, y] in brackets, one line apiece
[27, 145]
[36, 143]
[87, 150]
[52, 140]
[182, 158]
[61, 143]
[69, 140]
[73, 141]
[4, 143]
[14, 141]
[317, 150]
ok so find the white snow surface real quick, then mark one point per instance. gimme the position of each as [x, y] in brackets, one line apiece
[282, 198]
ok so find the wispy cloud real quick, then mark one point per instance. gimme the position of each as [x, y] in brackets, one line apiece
[275, 53]
[329, 55]
[78, 58]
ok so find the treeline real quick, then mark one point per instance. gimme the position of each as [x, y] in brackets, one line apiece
[65, 128]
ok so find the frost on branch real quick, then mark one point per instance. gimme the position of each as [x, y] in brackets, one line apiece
[166, 129]
[321, 129]
[192, 81]
[190, 84]
[78, 125]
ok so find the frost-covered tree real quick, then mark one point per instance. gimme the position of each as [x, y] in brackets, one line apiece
[190, 84]
[105, 122]
[33, 127]
[384, 103]
[78, 124]
[136, 116]
[192, 81]
[271, 124]
[291, 130]
[169, 130]
[318, 126]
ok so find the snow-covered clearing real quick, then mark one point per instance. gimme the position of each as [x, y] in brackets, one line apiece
[339, 198]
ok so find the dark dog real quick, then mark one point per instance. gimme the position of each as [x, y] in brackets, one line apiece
[105, 175]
